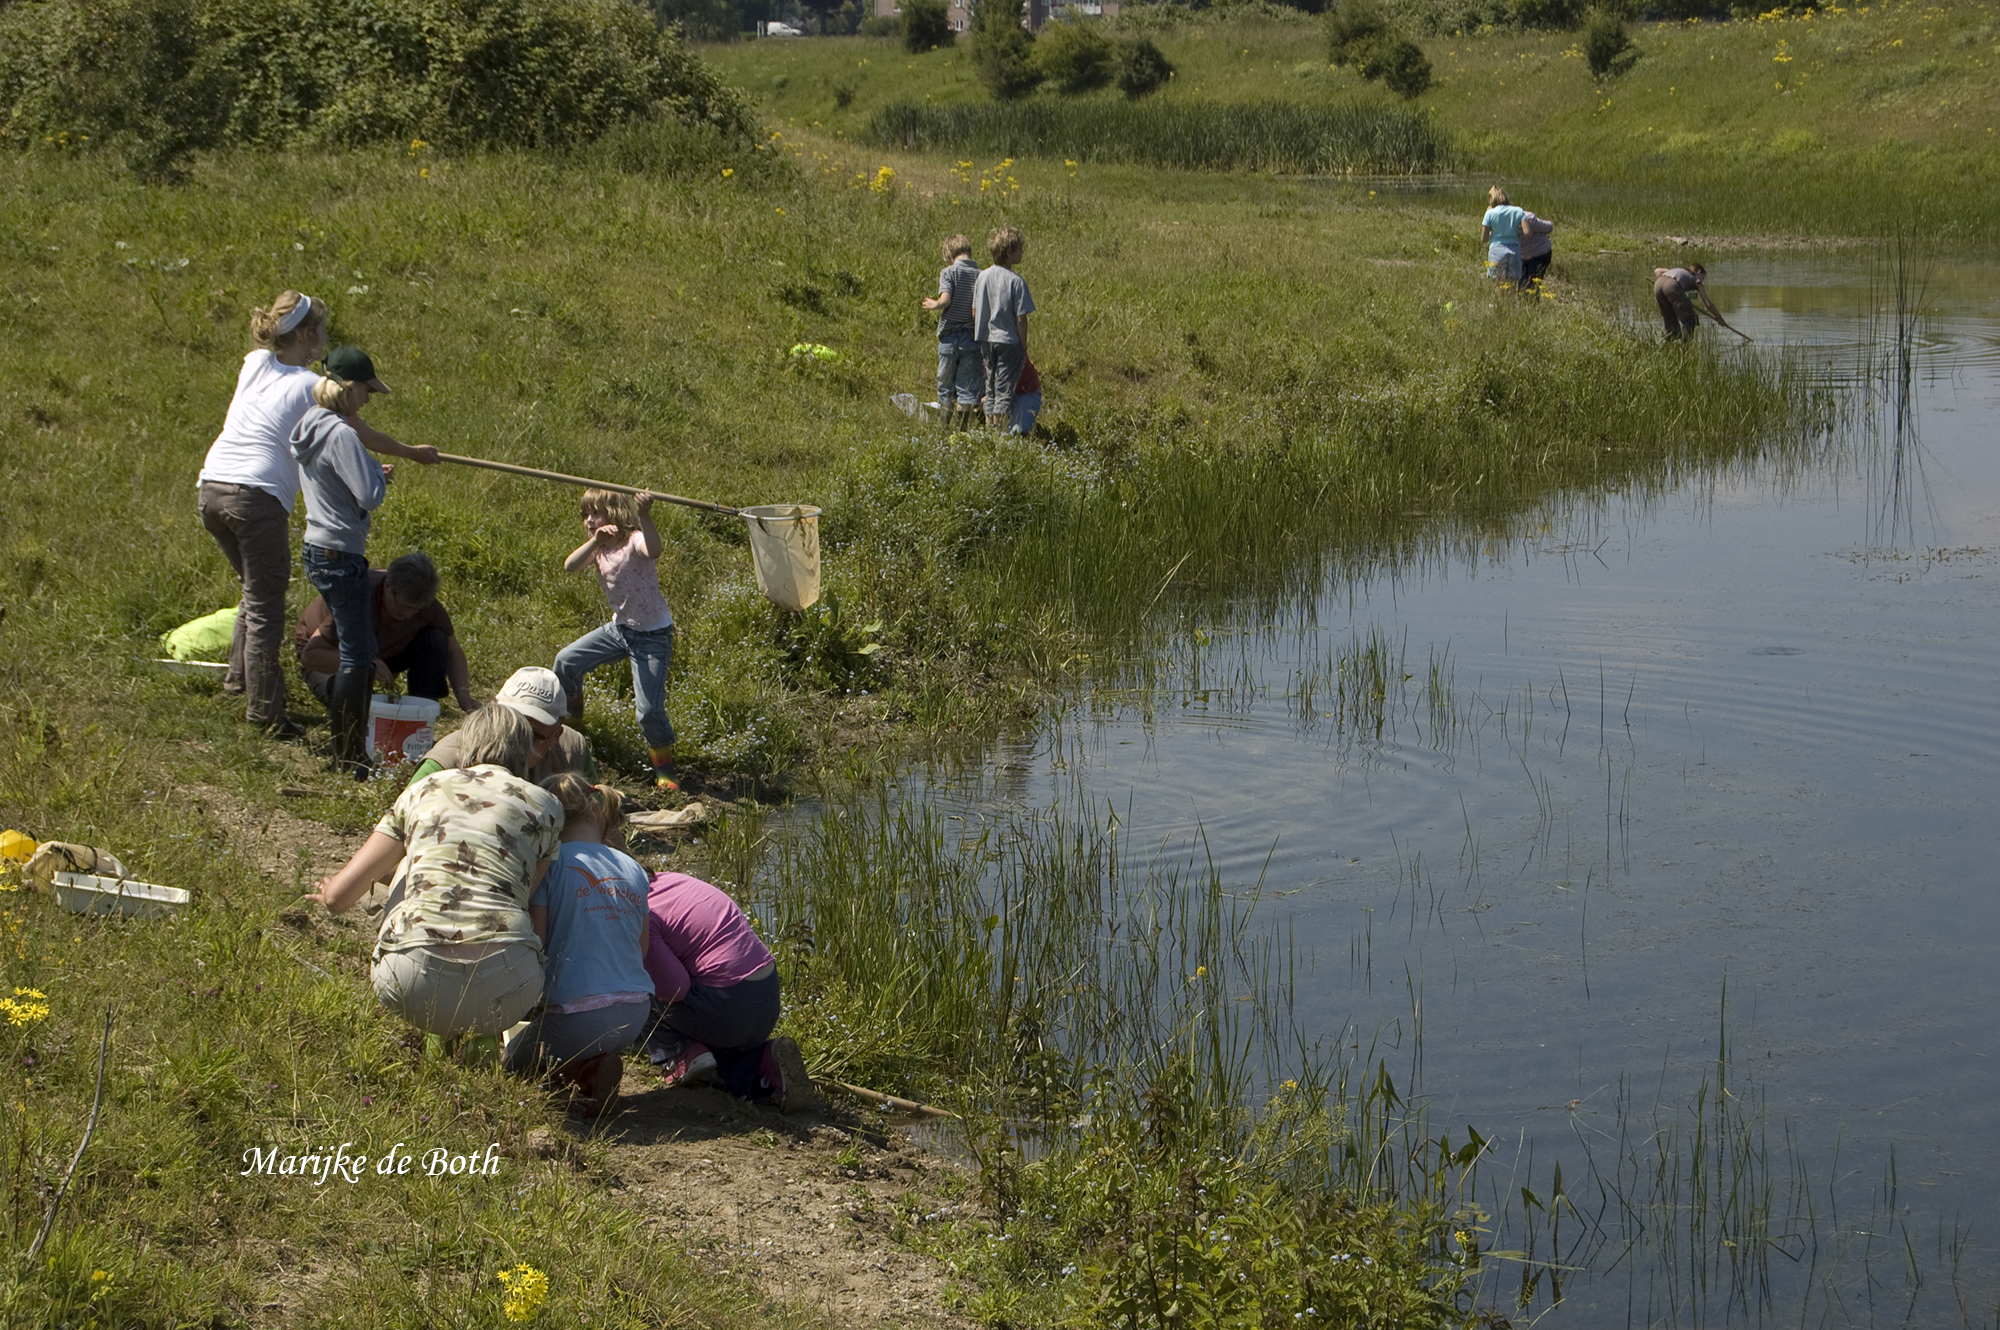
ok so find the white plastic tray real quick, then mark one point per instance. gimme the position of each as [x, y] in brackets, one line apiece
[86, 893]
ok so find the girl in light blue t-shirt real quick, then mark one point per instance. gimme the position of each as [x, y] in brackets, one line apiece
[1500, 228]
[590, 912]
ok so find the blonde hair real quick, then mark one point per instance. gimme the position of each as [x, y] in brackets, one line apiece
[955, 246]
[580, 799]
[499, 737]
[620, 509]
[345, 398]
[1006, 244]
[264, 323]
[1496, 197]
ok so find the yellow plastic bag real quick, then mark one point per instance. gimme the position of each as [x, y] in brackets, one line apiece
[16, 848]
[206, 638]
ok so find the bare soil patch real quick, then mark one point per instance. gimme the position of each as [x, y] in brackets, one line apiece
[802, 1207]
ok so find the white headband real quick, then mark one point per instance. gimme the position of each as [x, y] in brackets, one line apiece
[297, 315]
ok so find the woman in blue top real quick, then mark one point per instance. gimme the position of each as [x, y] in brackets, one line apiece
[590, 912]
[1500, 228]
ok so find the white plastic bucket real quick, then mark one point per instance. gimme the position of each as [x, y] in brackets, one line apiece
[784, 552]
[401, 730]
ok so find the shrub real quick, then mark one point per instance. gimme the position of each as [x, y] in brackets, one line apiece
[1003, 52]
[700, 20]
[166, 77]
[1556, 15]
[1405, 68]
[882, 25]
[1141, 67]
[926, 26]
[1076, 57]
[1607, 46]
[1355, 30]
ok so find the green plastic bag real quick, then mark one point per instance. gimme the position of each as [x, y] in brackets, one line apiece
[206, 638]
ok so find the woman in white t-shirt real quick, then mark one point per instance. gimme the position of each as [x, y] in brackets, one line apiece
[248, 483]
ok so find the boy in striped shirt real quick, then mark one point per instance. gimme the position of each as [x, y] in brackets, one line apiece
[959, 371]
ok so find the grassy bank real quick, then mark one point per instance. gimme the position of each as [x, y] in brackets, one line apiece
[1864, 120]
[1246, 386]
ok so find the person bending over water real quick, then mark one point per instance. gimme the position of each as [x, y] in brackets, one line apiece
[1671, 289]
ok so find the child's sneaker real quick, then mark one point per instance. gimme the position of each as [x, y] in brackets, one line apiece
[782, 1069]
[692, 1064]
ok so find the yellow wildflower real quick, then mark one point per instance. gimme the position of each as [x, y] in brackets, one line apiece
[27, 1006]
[527, 1289]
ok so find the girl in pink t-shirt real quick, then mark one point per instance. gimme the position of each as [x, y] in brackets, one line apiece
[715, 996]
[625, 547]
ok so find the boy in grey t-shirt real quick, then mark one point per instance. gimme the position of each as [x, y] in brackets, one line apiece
[1000, 308]
[958, 354]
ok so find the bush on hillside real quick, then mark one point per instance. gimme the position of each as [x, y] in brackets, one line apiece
[701, 20]
[1076, 57]
[167, 77]
[1355, 30]
[1607, 46]
[1003, 52]
[1406, 70]
[1142, 69]
[1554, 15]
[926, 26]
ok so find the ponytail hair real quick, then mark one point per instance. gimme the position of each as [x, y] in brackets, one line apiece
[264, 323]
[580, 799]
[344, 398]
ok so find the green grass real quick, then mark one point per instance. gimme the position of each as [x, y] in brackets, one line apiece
[1878, 119]
[1352, 138]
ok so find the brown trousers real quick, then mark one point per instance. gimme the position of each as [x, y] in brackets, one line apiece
[1676, 310]
[255, 534]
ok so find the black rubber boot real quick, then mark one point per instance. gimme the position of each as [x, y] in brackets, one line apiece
[347, 709]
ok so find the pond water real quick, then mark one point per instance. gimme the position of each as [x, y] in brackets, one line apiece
[1734, 743]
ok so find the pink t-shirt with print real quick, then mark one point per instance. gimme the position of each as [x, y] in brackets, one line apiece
[632, 585]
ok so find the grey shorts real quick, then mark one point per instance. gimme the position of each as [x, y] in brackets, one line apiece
[443, 996]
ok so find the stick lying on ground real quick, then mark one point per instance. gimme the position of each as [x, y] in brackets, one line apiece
[583, 483]
[887, 1100]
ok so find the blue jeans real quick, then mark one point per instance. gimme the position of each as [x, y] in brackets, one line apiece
[342, 578]
[650, 654]
[959, 370]
[1026, 407]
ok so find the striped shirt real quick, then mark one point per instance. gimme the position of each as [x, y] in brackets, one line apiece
[955, 284]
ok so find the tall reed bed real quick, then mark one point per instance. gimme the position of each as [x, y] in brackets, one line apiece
[1155, 1144]
[1345, 138]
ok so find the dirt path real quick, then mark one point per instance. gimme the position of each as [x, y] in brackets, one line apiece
[802, 1207]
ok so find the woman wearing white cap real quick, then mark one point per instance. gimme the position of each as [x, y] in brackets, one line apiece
[537, 696]
[249, 481]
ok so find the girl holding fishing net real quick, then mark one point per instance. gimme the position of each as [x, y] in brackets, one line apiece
[624, 546]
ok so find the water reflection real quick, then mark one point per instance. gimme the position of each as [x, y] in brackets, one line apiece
[1551, 792]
